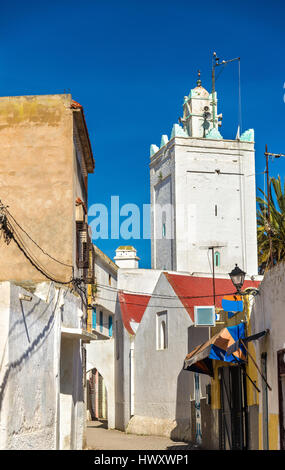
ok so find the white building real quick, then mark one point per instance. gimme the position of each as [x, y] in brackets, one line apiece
[135, 287]
[100, 353]
[203, 218]
[42, 393]
[126, 257]
[203, 195]
[164, 393]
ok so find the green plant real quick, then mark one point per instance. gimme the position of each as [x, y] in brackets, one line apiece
[271, 227]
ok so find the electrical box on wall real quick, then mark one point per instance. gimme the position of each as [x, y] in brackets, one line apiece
[205, 316]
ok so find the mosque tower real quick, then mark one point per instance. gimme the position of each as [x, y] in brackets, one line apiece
[203, 197]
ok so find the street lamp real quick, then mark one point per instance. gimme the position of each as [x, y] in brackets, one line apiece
[237, 277]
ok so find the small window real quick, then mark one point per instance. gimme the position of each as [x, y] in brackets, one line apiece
[110, 325]
[101, 321]
[82, 247]
[161, 331]
[163, 335]
[94, 318]
[163, 230]
[110, 279]
[216, 210]
[217, 259]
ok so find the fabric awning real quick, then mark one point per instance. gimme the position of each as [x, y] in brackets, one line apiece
[234, 347]
[200, 358]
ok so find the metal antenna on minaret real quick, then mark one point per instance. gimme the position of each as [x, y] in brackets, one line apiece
[199, 81]
[215, 63]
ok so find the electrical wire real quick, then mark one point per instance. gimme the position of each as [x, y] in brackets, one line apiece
[12, 233]
[163, 306]
[160, 296]
[43, 251]
[35, 262]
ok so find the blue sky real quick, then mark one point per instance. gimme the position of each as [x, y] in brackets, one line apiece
[130, 63]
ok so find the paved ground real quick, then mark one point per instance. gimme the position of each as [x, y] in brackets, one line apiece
[101, 438]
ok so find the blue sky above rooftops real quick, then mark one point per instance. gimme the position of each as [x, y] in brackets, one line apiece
[130, 63]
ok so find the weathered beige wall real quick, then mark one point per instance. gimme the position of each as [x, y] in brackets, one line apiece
[36, 181]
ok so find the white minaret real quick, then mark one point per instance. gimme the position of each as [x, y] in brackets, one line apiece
[197, 112]
[126, 257]
[203, 194]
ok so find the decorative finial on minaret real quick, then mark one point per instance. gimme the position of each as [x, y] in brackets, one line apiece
[199, 82]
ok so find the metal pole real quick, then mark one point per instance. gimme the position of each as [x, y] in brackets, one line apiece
[255, 364]
[215, 63]
[213, 263]
[268, 207]
[213, 92]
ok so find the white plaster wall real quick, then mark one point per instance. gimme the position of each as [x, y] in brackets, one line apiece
[231, 193]
[101, 355]
[127, 263]
[71, 310]
[32, 414]
[106, 294]
[29, 370]
[122, 377]
[162, 388]
[162, 192]
[138, 280]
[163, 215]
[195, 196]
[4, 360]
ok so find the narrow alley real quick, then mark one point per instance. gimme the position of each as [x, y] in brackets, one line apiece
[101, 438]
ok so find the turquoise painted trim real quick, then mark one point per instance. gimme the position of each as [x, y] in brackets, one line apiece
[214, 134]
[164, 140]
[177, 131]
[197, 98]
[110, 325]
[101, 321]
[217, 259]
[153, 149]
[94, 318]
[215, 95]
[247, 136]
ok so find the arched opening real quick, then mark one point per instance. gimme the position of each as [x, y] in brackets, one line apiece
[97, 398]
[217, 259]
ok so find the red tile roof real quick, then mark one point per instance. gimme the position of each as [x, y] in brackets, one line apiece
[132, 307]
[194, 291]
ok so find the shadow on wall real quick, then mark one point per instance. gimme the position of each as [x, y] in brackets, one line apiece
[13, 366]
[185, 409]
[182, 431]
[122, 406]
